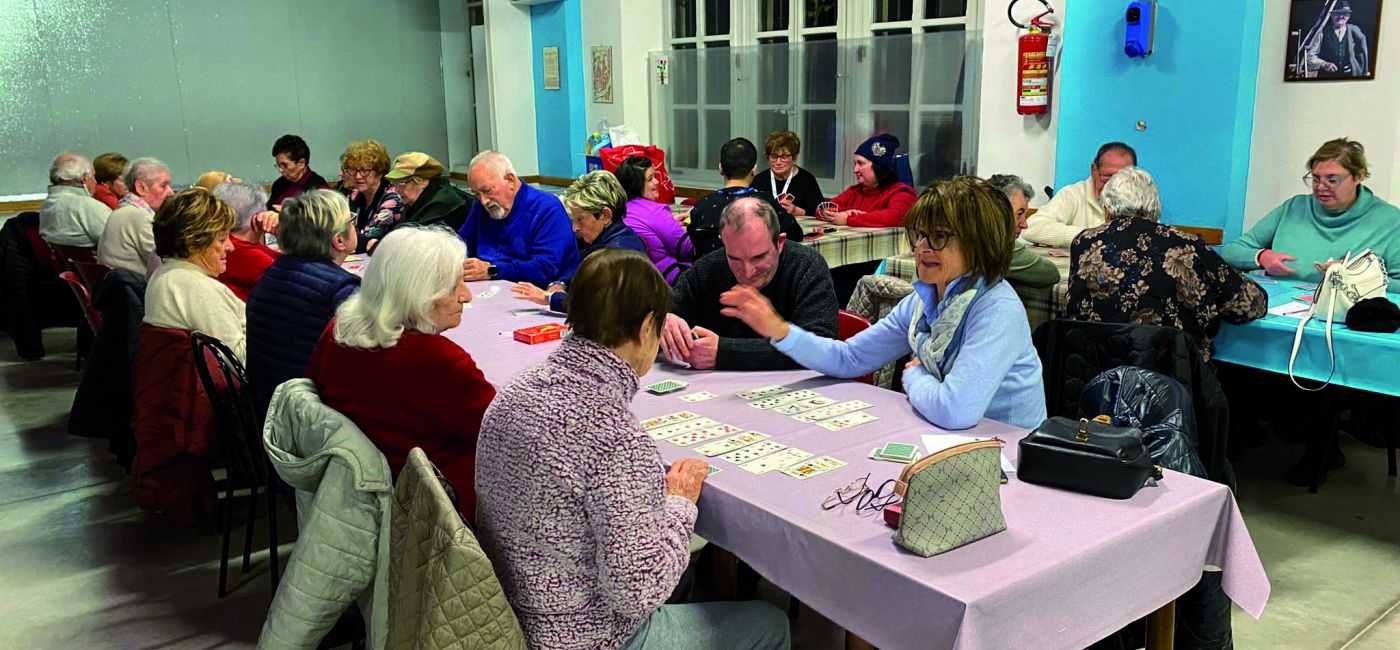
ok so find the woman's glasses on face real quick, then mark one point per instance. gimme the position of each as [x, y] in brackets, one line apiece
[355, 172]
[859, 493]
[1333, 180]
[937, 240]
[780, 158]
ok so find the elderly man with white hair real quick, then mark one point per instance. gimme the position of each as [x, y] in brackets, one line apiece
[70, 216]
[250, 256]
[515, 232]
[127, 241]
[1134, 269]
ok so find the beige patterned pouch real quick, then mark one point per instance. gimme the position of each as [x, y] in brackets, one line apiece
[951, 498]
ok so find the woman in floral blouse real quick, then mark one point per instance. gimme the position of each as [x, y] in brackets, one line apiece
[377, 206]
[1133, 269]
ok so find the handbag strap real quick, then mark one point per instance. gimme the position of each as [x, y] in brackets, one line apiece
[1298, 337]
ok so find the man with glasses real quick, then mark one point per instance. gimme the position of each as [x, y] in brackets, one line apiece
[1077, 207]
[1308, 232]
[293, 160]
[515, 232]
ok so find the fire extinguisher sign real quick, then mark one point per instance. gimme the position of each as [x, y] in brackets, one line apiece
[1035, 79]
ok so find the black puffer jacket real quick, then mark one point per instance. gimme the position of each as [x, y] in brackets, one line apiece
[1154, 404]
[32, 296]
[102, 405]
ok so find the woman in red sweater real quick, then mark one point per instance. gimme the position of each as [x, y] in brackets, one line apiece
[424, 390]
[250, 257]
[878, 199]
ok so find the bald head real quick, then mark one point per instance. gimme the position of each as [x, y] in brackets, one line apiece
[493, 180]
[72, 169]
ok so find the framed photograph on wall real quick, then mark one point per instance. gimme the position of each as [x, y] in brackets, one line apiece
[1332, 40]
[602, 74]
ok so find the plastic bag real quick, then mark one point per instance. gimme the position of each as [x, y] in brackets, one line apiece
[613, 156]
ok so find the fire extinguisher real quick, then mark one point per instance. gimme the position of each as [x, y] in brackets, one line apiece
[1035, 61]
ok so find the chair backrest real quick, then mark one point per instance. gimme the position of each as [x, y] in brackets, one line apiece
[91, 273]
[232, 404]
[67, 256]
[44, 258]
[902, 170]
[80, 291]
[849, 324]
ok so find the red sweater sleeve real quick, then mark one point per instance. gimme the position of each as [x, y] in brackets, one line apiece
[897, 201]
[846, 198]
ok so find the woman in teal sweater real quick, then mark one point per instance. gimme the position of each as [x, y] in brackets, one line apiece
[1341, 216]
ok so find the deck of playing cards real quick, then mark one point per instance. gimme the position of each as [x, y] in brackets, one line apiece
[666, 386]
[897, 452]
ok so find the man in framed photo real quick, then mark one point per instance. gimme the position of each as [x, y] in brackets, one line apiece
[1341, 49]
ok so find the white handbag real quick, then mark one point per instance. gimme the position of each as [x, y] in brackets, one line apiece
[1355, 279]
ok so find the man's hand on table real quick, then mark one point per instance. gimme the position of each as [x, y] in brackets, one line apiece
[704, 349]
[676, 339]
[476, 269]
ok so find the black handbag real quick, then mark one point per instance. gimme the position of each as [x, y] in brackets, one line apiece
[1092, 457]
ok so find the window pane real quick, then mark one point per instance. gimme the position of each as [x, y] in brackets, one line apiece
[945, 8]
[685, 76]
[684, 19]
[768, 122]
[888, 11]
[475, 16]
[820, 13]
[943, 67]
[773, 15]
[685, 140]
[717, 72]
[819, 74]
[716, 17]
[891, 58]
[940, 147]
[773, 73]
[895, 122]
[716, 134]
[819, 143]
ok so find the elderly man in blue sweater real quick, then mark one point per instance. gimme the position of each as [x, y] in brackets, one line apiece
[515, 232]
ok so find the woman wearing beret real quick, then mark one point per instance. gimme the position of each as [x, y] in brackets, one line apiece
[878, 199]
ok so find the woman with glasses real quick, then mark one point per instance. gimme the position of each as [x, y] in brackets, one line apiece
[428, 195]
[1301, 237]
[964, 324]
[795, 188]
[375, 204]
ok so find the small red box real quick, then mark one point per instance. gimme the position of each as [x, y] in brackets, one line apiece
[540, 333]
[891, 513]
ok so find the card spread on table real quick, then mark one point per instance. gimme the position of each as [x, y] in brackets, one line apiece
[683, 427]
[698, 397]
[783, 399]
[753, 452]
[666, 386]
[846, 421]
[804, 405]
[776, 460]
[730, 444]
[760, 393]
[490, 292]
[833, 410]
[668, 419]
[813, 467]
[688, 439]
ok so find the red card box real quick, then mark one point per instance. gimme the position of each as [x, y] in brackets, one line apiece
[540, 333]
[891, 513]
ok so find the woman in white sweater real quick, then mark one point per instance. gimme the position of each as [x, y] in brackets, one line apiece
[192, 236]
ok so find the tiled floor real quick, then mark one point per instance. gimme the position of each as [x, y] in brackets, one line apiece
[80, 566]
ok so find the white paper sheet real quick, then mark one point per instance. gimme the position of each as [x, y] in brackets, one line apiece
[1292, 309]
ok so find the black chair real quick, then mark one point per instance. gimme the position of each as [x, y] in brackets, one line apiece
[248, 467]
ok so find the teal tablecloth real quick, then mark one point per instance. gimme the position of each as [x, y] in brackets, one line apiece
[1365, 360]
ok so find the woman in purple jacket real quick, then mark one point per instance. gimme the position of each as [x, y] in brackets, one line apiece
[667, 243]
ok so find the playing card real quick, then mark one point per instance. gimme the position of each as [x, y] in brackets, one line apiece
[899, 451]
[813, 467]
[687, 426]
[776, 460]
[753, 452]
[730, 444]
[760, 393]
[698, 397]
[804, 405]
[833, 410]
[846, 421]
[688, 439]
[670, 418]
[876, 455]
[666, 386]
[783, 399]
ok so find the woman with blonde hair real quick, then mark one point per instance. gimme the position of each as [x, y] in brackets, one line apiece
[212, 179]
[376, 205]
[384, 363]
[192, 232]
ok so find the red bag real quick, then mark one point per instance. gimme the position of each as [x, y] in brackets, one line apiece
[613, 156]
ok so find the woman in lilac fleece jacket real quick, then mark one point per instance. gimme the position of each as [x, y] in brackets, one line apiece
[666, 240]
[587, 529]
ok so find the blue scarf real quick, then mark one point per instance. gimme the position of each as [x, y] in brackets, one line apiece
[937, 331]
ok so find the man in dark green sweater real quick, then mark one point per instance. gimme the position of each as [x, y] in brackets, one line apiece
[755, 254]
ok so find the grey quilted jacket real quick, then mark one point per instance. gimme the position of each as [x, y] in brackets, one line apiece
[342, 486]
[443, 593]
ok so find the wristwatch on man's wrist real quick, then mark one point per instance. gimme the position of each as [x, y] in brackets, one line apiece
[493, 272]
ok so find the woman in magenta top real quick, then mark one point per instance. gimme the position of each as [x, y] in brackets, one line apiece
[878, 199]
[384, 363]
[666, 240]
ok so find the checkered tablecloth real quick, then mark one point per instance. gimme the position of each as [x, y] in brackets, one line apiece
[1041, 304]
[847, 245]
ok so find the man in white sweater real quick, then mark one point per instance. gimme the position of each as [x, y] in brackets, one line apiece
[1076, 208]
[127, 241]
[70, 216]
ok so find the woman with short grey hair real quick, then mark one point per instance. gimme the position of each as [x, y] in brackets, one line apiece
[250, 257]
[1028, 268]
[1133, 269]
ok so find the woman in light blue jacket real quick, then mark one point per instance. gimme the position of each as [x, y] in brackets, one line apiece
[964, 324]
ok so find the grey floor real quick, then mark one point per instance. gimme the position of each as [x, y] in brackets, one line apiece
[81, 566]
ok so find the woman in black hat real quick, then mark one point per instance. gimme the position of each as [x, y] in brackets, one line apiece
[878, 199]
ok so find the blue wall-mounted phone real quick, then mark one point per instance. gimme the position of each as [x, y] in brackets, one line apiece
[1141, 18]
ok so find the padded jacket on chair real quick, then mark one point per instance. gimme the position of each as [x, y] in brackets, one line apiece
[342, 487]
[102, 405]
[875, 296]
[1073, 353]
[173, 424]
[1154, 404]
[31, 295]
[443, 592]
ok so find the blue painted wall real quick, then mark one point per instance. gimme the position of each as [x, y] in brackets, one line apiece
[1196, 93]
[560, 126]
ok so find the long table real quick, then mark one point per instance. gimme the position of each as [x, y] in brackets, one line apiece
[1041, 304]
[844, 245]
[1362, 358]
[1069, 570]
